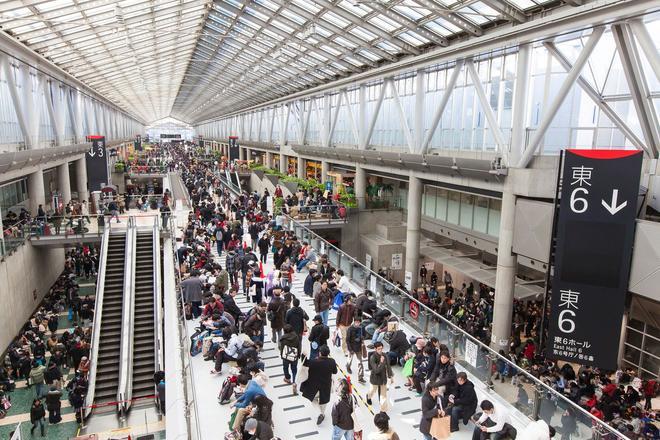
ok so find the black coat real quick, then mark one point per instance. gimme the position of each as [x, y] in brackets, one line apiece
[231, 307]
[355, 338]
[466, 398]
[429, 412]
[319, 381]
[342, 413]
[320, 334]
[380, 370]
[278, 308]
[296, 317]
[308, 287]
[445, 374]
[399, 343]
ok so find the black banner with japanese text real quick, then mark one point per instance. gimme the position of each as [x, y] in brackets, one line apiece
[234, 153]
[97, 164]
[595, 232]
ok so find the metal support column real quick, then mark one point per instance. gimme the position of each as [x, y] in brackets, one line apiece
[505, 276]
[413, 227]
[520, 95]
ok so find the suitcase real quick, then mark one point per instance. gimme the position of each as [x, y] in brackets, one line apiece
[206, 345]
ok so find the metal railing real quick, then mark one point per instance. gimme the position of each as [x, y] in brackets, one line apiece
[468, 351]
[14, 236]
[158, 298]
[125, 388]
[96, 326]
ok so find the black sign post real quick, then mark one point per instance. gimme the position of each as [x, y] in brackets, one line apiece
[595, 232]
[96, 160]
[138, 143]
[234, 149]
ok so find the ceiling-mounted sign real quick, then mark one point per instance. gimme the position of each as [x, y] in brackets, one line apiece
[595, 231]
[96, 160]
[234, 148]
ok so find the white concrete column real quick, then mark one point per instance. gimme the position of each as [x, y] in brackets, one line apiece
[301, 168]
[360, 185]
[325, 167]
[36, 191]
[81, 179]
[64, 182]
[505, 276]
[413, 227]
[268, 162]
[283, 163]
[520, 98]
[241, 153]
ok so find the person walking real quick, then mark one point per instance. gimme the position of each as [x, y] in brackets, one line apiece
[276, 314]
[289, 346]
[384, 432]
[323, 301]
[318, 336]
[114, 211]
[380, 373]
[319, 381]
[342, 412]
[345, 316]
[431, 408]
[356, 347]
[297, 318]
[37, 417]
[38, 379]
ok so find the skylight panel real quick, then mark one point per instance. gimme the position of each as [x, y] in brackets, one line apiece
[435, 27]
[55, 4]
[355, 9]
[413, 39]
[268, 4]
[369, 55]
[413, 14]
[384, 23]
[293, 17]
[307, 5]
[344, 42]
[259, 15]
[335, 19]
[331, 50]
[278, 24]
[363, 34]
[323, 31]
[523, 4]
[447, 24]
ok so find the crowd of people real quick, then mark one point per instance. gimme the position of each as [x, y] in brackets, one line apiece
[43, 356]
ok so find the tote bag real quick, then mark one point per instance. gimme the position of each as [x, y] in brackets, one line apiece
[440, 429]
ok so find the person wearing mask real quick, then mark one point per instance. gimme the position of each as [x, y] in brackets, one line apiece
[345, 316]
[319, 381]
[383, 430]
[276, 314]
[289, 346]
[318, 336]
[297, 318]
[37, 417]
[323, 301]
[431, 408]
[463, 403]
[193, 289]
[342, 412]
[492, 422]
[380, 373]
[356, 347]
[258, 430]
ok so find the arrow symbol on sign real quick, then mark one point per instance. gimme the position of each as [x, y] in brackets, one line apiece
[613, 208]
[91, 152]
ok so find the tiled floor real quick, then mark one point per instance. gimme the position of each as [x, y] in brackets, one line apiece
[294, 416]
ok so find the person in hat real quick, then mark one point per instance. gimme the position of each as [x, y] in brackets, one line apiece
[318, 336]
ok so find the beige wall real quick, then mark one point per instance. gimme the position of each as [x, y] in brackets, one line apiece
[28, 268]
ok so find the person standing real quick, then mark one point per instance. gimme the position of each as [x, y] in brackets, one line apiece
[318, 336]
[192, 289]
[276, 313]
[345, 316]
[323, 301]
[381, 372]
[431, 408]
[264, 245]
[297, 317]
[422, 274]
[319, 381]
[54, 404]
[37, 417]
[342, 412]
[356, 347]
[38, 379]
[161, 395]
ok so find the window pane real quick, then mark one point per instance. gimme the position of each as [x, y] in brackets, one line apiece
[652, 345]
[480, 222]
[631, 355]
[441, 205]
[634, 338]
[494, 209]
[467, 205]
[453, 207]
[429, 202]
[636, 324]
[650, 363]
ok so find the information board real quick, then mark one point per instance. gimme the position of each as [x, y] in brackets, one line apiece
[96, 160]
[595, 231]
[397, 261]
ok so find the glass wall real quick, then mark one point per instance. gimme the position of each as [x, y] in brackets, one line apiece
[642, 350]
[470, 211]
[13, 194]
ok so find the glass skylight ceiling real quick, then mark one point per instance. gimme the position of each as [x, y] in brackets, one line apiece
[195, 59]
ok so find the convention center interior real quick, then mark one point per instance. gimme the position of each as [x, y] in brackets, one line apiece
[330, 219]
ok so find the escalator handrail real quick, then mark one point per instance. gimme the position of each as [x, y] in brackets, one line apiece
[98, 316]
[124, 390]
[158, 300]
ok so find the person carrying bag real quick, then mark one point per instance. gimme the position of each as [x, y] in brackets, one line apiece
[435, 424]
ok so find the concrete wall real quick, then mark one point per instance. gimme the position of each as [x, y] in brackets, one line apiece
[27, 269]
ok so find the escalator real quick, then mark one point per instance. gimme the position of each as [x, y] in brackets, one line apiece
[108, 360]
[144, 330]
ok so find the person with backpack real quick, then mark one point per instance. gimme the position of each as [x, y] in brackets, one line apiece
[289, 346]
[246, 259]
[276, 315]
[342, 412]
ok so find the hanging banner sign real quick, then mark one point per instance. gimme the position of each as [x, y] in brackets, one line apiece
[397, 261]
[138, 143]
[471, 352]
[234, 149]
[96, 160]
[595, 231]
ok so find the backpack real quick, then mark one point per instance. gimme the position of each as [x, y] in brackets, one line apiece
[289, 353]
[227, 390]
